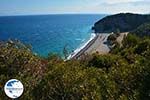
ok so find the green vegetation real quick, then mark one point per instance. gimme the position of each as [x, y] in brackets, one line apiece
[124, 74]
[142, 30]
[123, 22]
[112, 39]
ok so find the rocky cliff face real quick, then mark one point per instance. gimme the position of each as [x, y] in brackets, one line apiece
[123, 22]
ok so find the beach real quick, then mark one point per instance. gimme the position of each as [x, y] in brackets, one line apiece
[96, 45]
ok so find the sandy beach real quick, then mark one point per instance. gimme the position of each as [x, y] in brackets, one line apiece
[97, 44]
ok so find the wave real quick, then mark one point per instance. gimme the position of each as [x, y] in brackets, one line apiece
[78, 39]
[93, 35]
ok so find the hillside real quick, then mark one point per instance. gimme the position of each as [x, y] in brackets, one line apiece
[123, 22]
[123, 74]
[142, 30]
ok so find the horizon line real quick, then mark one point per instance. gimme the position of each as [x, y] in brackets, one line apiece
[69, 14]
[56, 14]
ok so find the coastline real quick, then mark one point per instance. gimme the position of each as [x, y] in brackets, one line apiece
[100, 45]
[78, 50]
[95, 44]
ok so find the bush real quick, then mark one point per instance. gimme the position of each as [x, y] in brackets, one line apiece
[123, 74]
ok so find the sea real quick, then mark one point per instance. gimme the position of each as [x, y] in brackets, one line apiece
[50, 33]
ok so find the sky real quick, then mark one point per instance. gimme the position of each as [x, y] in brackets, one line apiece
[32, 7]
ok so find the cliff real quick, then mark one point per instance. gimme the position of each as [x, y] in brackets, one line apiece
[122, 22]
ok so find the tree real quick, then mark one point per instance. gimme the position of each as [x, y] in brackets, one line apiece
[65, 52]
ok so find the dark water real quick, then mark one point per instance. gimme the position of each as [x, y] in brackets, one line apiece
[49, 33]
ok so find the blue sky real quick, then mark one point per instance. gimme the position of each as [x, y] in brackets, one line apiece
[27, 7]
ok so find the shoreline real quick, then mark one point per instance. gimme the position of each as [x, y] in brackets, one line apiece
[96, 44]
[76, 51]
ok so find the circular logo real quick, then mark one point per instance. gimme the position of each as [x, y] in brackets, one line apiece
[13, 88]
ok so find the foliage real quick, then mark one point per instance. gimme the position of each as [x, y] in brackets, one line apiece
[112, 39]
[123, 22]
[104, 61]
[123, 74]
[130, 41]
[17, 61]
[142, 30]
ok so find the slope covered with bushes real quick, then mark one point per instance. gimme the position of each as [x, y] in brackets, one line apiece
[142, 30]
[124, 22]
[121, 75]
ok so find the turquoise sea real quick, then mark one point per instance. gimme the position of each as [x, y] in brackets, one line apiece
[49, 33]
